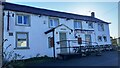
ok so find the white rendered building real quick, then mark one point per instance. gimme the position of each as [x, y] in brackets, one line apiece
[32, 31]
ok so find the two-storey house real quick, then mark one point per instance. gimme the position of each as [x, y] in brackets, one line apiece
[32, 31]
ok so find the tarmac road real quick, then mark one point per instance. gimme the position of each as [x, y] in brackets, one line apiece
[108, 58]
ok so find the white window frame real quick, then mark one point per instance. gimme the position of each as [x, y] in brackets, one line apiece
[27, 40]
[89, 26]
[104, 38]
[101, 27]
[76, 24]
[22, 24]
[99, 39]
[53, 22]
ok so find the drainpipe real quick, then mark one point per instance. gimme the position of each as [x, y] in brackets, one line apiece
[8, 19]
[54, 43]
[1, 32]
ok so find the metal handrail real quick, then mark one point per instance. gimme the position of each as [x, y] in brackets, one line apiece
[76, 40]
[77, 47]
[67, 47]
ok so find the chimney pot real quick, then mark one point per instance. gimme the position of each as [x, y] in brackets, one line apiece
[92, 14]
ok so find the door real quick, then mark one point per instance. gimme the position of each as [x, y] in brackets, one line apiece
[88, 39]
[63, 43]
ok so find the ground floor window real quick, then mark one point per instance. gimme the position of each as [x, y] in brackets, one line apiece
[50, 42]
[21, 40]
[105, 38]
[100, 38]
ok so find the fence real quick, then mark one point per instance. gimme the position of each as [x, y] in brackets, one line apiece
[89, 48]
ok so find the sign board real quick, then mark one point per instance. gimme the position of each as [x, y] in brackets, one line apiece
[83, 32]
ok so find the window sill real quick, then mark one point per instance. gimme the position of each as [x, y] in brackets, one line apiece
[21, 48]
[77, 28]
[101, 30]
[23, 25]
[90, 28]
[52, 26]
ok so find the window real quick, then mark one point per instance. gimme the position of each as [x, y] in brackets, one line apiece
[20, 19]
[50, 42]
[99, 38]
[77, 24]
[90, 24]
[105, 38]
[21, 40]
[23, 20]
[53, 22]
[100, 26]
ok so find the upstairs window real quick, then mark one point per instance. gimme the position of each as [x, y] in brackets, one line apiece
[90, 24]
[23, 20]
[105, 38]
[77, 24]
[53, 22]
[19, 19]
[100, 27]
[100, 38]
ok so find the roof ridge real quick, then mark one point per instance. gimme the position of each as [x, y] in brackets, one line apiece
[46, 9]
[36, 10]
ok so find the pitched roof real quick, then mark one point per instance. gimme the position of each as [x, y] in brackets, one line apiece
[34, 10]
[57, 27]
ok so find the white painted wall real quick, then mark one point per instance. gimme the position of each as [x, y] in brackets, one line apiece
[102, 33]
[37, 38]
[38, 41]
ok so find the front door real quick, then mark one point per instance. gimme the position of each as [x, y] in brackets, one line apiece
[88, 39]
[63, 43]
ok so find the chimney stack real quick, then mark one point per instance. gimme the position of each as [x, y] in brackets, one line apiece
[92, 14]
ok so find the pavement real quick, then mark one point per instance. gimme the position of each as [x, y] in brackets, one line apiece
[108, 58]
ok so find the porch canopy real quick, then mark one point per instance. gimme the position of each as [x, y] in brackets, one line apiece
[53, 30]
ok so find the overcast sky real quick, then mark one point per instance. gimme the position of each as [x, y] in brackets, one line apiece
[106, 10]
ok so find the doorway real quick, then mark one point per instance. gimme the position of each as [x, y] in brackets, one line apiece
[63, 42]
[88, 39]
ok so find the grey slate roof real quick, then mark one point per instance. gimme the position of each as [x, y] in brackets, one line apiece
[40, 11]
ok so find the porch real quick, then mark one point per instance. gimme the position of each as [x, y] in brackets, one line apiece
[67, 47]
